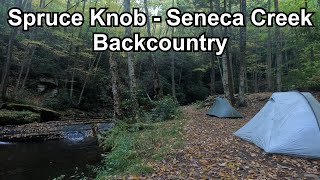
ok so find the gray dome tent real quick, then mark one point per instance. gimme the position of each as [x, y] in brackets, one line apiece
[222, 109]
[287, 124]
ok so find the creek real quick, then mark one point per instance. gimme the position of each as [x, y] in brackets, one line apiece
[70, 156]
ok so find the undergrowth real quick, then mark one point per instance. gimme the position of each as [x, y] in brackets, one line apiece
[130, 147]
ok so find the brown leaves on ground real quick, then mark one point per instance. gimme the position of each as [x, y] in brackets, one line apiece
[212, 151]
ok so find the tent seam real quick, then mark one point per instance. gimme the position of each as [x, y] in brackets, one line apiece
[313, 111]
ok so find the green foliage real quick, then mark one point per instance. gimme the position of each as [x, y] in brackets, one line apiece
[199, 104]
[61, 102]
[133, 146]
[307, 76]
[165, 109]
[18, 117]
[25, 97]
[65, 54]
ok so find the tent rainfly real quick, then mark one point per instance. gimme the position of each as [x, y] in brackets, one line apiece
[222, 109]
[287, 124]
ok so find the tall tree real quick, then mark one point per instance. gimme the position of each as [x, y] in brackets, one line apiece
[173, 83]
[225, 78]
[229, 62]
[212, 64]
[117, 114]
[269, 54]
[7, 65]
[278, 50]
[226, 73]
[132, 77]
[88, 74]
[243, 49]
[156, 75]
[26, 62]
[83, 9]
[312, 56]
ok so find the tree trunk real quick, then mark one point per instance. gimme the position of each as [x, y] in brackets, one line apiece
[26, 61]
[132, 78]
[230, 79]
[28, 69]
[232, 71]
[83, 9]
[19, 77]
[7, 65]
[225, 63]
[6, 69]
[256, 85]
[4, 14]
[278, 50]
[77, 52]
[243, 68]
[115, 89]
[229, 83]
[67, 9]
[212, 64]
[91, 67]
[312, 58]
[269, 55]
[218, 6]
[42, 4]
[72, 85]
[156, 76]
[173, 83]
[225, 75]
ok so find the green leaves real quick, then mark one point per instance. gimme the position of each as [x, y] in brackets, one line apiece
[132, 149]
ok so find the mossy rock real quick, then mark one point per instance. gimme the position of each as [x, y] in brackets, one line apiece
[8, 117]
[46, 114]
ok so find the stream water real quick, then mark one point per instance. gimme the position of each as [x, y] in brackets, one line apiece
[47, 160]
[50, 159]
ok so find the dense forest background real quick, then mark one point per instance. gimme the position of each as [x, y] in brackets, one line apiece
[56, 68]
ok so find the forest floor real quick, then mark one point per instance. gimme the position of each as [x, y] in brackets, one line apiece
[212, 151]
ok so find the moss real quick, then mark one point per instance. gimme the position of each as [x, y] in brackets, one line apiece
[18, 117]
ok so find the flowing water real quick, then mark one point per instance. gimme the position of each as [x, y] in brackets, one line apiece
[47, 160]
[73, 155]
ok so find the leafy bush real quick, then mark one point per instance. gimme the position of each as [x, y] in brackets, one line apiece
[126, 106]
[25, 97]
[165, 109]
[61, 102]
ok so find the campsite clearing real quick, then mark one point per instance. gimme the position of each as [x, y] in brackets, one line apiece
[211, 150]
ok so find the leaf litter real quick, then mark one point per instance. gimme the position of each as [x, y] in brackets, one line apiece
[211, 151]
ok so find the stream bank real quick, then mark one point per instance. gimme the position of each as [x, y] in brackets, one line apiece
[51, 149]
[53, 130]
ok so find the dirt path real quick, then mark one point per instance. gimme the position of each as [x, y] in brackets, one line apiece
[211, 151]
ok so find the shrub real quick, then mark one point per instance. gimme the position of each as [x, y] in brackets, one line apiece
[165, 109]
[131, 147]
[61, 102]
[25, 97]
[199, 104]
